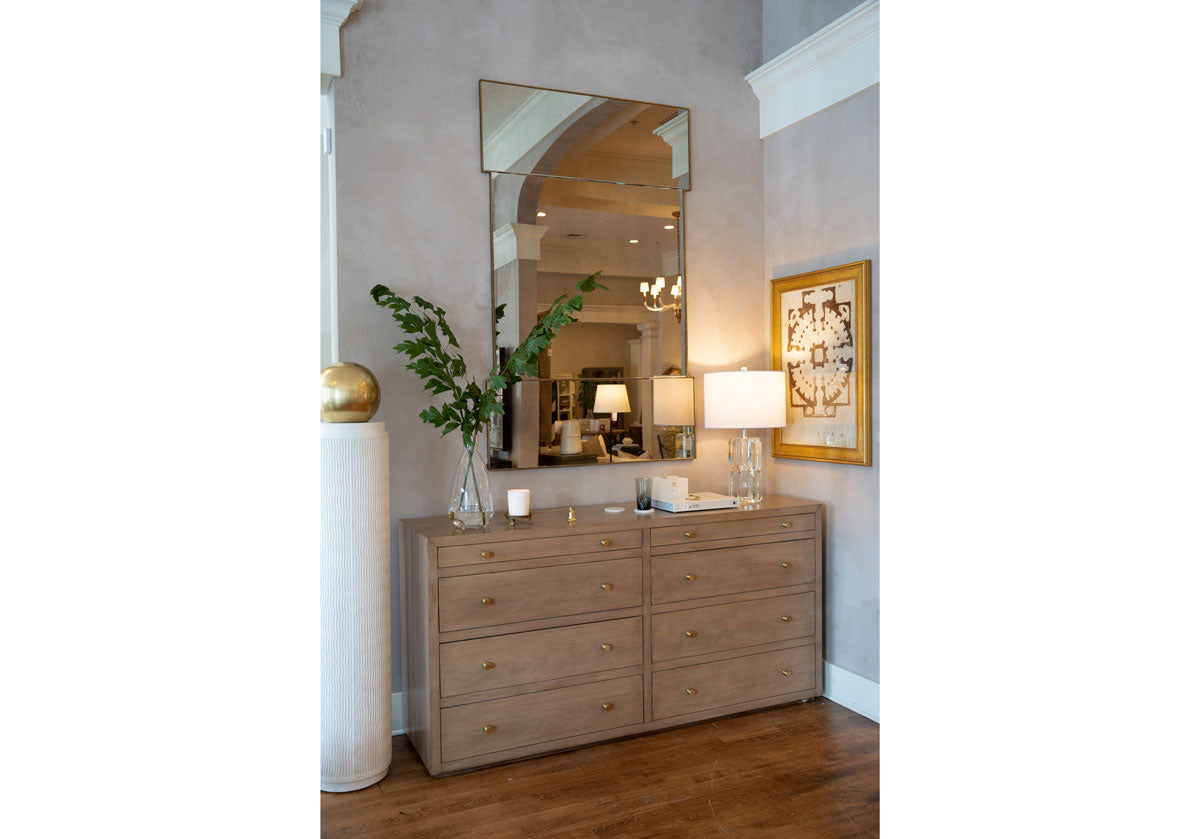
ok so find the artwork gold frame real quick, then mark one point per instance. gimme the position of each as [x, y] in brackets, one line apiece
[821, 340]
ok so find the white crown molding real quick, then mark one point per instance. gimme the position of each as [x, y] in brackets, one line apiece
[336, 11]
[852, 691]
[517, 241]
[827, 67]
[675, 133]
[333, 15]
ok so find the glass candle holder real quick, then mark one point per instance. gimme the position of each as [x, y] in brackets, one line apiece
[518, 502]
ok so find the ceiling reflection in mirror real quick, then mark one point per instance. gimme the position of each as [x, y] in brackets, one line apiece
[581, 184]
[534, 131]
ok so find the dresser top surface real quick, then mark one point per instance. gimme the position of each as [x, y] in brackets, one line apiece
[591, 518]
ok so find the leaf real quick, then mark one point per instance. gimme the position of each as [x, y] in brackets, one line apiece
[469, 405]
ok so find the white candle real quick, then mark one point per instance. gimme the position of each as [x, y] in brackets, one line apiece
[518, 502]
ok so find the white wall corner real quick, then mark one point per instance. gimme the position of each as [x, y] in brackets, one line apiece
[852, 691]
[397, 714]
[333, 15]
[827, 67]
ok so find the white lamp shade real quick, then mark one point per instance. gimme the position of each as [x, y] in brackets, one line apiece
[674, 400]
[745, 399]
[611, 399]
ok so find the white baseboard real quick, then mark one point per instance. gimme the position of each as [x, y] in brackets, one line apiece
[852, 691]
[397, 713]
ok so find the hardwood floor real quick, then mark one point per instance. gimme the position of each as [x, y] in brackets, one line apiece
[803, 770]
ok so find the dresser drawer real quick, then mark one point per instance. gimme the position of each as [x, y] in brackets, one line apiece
[701, 687]
[686, 576]
[499, 724]
[701, 530]
[510, 596]
[617, 540]
[710, 629]
[526, 657]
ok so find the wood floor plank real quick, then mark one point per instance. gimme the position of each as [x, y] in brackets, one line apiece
[804, 770]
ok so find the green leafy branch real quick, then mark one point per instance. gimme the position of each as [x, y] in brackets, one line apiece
[433, 355]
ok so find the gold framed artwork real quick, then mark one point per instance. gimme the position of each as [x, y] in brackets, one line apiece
[821, 340]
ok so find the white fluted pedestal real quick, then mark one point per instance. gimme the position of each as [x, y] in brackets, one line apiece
[356, 649]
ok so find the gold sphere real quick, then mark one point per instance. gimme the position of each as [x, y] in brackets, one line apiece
[349, 393]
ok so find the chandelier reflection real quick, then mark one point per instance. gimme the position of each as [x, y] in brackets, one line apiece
[652, 296]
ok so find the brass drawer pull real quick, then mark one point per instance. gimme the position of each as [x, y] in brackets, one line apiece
[606, 647]
[486, 554]
[786, 672]
[606, 586]
[785, 524]
[691, 534]
[489, 729]
[785, 565]
[690, 633]
[690, 691]
[606, 543]
[488, 665]
[691, 578]
[786, 618]
[608, 706]
[486, 601]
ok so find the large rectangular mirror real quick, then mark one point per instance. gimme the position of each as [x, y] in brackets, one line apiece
[580, 184]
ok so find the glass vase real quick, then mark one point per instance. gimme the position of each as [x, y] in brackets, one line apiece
[471, 492]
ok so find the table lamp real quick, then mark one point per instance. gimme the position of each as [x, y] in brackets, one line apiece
[745, 399]
[675, 404]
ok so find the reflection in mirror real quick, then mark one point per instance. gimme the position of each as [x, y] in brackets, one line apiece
[530, 130]
[606, 420]
[581, 184]
[675, 408]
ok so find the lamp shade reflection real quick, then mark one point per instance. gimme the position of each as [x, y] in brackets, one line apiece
[674, 400]
[675, 405]
[611, 399]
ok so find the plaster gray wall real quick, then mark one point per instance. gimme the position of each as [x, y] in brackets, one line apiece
[788, 22]
[413, 205]
[821, 209]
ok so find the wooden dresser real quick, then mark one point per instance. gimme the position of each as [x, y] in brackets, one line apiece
[527, 640]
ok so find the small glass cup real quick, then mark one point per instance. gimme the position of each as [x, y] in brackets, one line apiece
[642, 493]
